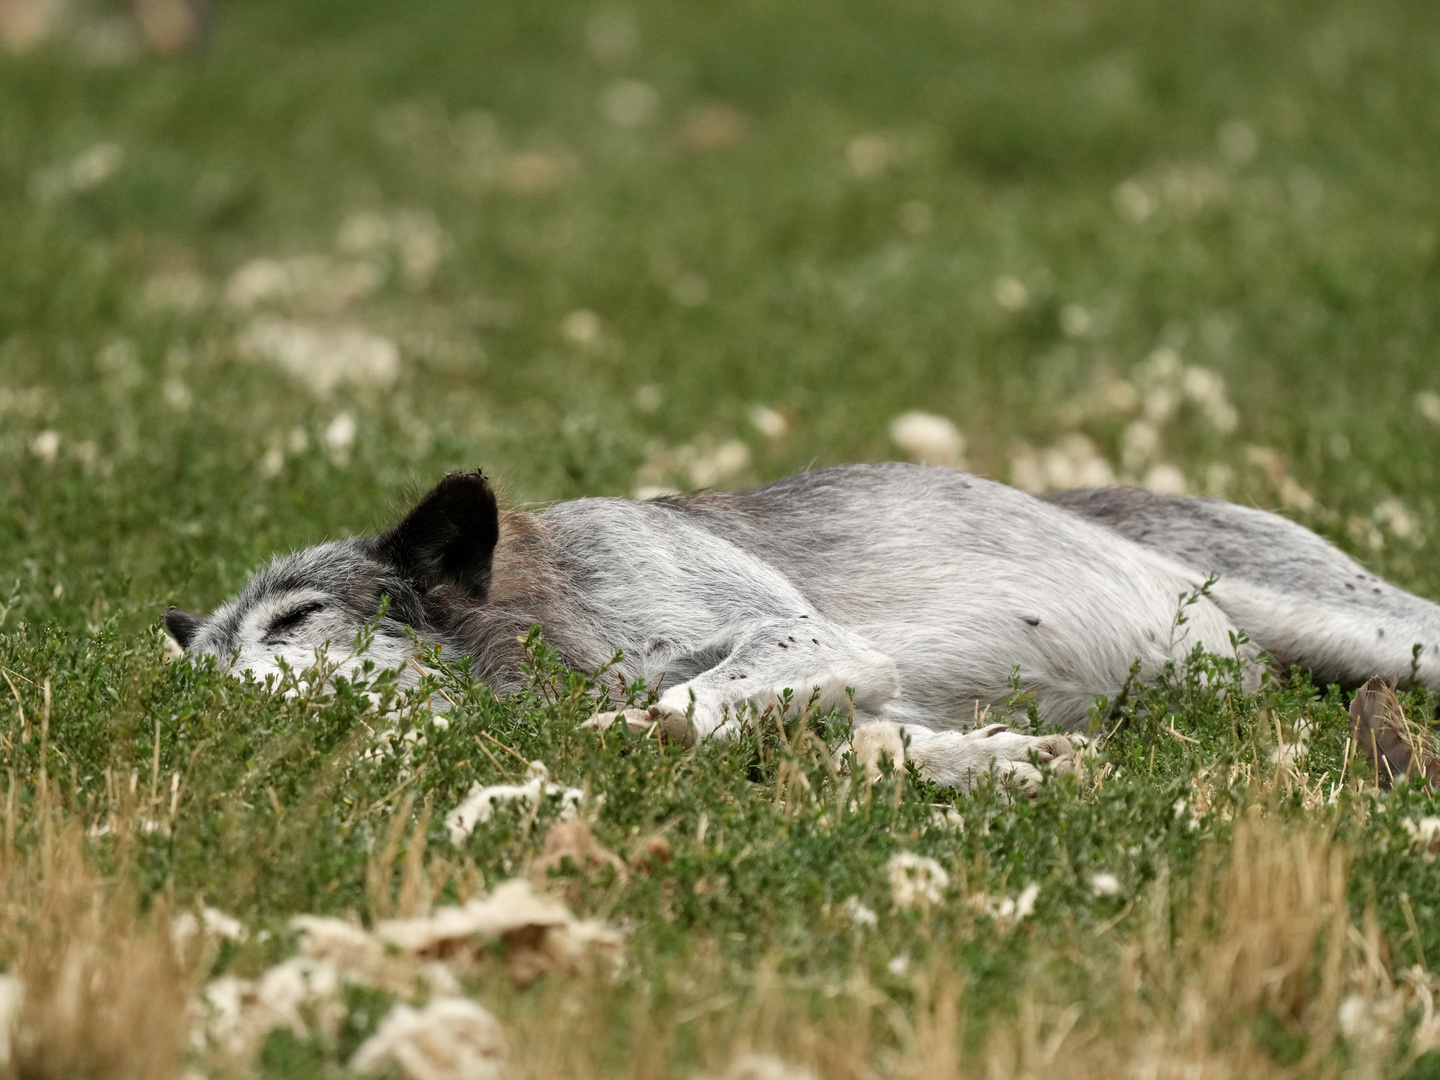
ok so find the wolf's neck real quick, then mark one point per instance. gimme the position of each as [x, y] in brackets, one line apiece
[528, 586]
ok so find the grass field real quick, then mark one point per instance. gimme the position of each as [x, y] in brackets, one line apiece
[265, 294]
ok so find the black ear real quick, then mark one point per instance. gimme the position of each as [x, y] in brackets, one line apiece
[448, 539]
[183, 625]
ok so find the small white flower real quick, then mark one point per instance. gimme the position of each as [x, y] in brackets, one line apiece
[1025, 903]
[629, 104]
[339, 435]
[1207, 389]
[1105, 885]
[1162, 366]
[177, 395]
[1139, 443]
[1165, 479]
[45, 445]
[947, 818]
[1133, 201]
[858, 913]
[1023, 906]
[581, 327]
[916, 880]
[1392, 514]
[414, 238]
[1159, 403]
[220, 924]
[1365, 531]
[768, 422]
[88, 169]
[898, 965]
[1073, 461]
[1424, 835]
[869, 155]
[1351, 1015]
[212, 921]
[725, 461]
[363, 233]
[1428, 402]
[1011, 294]
[929, 438]
[315, 282]
[1295, 497]
[323, 357]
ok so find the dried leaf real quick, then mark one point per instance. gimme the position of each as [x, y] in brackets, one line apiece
[1392, 744]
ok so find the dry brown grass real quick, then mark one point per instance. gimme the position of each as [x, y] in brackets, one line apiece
[1252, 967]
[1262, 944]
[105, 993]
[1245, 976]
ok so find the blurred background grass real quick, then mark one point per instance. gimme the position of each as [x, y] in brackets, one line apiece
[261, 290]
[261, 282]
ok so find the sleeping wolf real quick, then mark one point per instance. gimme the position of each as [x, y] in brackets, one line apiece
[915, 592]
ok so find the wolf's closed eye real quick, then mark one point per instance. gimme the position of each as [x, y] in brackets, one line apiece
[290, 621]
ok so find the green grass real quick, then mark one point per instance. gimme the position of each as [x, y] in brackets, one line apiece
[1284, 154]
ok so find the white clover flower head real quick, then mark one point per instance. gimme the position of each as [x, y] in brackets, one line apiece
[916, 880]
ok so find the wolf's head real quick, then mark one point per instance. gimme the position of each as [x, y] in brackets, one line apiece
[437, 557]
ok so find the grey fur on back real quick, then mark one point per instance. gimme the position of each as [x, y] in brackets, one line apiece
[1230, 541]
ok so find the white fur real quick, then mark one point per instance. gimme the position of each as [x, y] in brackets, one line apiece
[334, 629]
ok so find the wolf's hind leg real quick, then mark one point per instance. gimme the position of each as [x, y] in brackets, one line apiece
[1297, 596]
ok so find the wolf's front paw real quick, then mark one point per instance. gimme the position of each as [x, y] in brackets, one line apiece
[637, 720]
[674, 723]
[663, 720]
[1016, 762]
[874, 742]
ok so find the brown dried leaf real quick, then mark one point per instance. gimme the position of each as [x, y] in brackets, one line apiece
[1393, 745]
